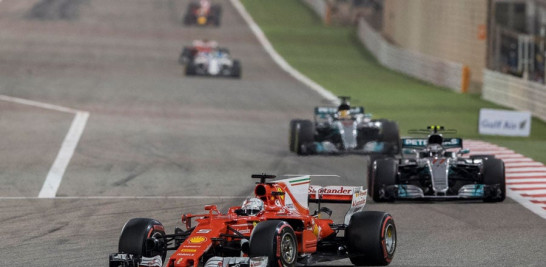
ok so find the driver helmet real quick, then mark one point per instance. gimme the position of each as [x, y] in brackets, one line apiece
[253, 206]
[435, 149]
[344, 111]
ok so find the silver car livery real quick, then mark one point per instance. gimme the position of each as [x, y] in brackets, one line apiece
[434, 168]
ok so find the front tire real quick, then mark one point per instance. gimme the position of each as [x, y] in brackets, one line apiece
[494, 175]
[383, 174]
[190, 69]
[236, 70]
[292, 135]
[136, 232]
[305, 134]
[371, 238]
[264, 242]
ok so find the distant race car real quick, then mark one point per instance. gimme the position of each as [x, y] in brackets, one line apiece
[203, 13]
[189, 52]
[217, 62]
[431, 169]
[343, 129]
[273, 228]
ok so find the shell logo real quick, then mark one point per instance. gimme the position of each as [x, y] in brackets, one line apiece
[280, 191]
[198, 239]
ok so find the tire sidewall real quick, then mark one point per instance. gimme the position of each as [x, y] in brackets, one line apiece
[135, 233]
[383, 174]
[494, 173]
[265, 238]
[366, 238]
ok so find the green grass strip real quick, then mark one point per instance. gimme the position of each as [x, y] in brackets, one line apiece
[333, 57]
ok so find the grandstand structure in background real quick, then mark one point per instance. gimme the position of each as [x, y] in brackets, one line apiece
[495, 47]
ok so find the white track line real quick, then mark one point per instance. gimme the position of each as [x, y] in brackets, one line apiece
[57, 170]
[277, 58]
[55, 175]
[37, 104]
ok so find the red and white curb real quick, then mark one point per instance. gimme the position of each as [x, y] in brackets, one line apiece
[525, 178]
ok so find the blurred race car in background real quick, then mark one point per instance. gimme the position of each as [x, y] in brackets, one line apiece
[433, 168]
[214, 62]
[343, 129]
[272, 228]
[189, 52]
[203, 13]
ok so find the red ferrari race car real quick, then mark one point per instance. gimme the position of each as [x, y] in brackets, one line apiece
[273, 228]
[203, 13]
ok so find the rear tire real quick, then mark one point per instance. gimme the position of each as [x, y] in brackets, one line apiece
[134, 235]
[493, 174]
[184, 56]
[383, 174]
[305, 134]
[263, 242]
[371, 238]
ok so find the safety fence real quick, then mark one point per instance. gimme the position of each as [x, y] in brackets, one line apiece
[437, 71]
[514, 92]
[321, 8]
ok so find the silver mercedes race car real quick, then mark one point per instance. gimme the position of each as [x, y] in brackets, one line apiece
[217, 62]
[343, 129]
[433, 168]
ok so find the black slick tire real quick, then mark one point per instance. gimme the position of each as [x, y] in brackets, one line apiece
[292, 135]
[371, 238]
[136, 232]
[264, 242]
[383, 174]
[494, 174]
[390, 135]
[236, 70]
[190, 69]
[305, 134]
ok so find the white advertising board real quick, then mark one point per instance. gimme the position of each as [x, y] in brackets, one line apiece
[504, 122]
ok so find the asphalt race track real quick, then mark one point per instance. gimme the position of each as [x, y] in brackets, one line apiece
[153, 132]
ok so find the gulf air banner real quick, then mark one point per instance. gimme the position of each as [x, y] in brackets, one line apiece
[504, 122]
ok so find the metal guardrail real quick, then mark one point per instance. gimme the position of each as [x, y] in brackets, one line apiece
[437, 71]
[514, 92]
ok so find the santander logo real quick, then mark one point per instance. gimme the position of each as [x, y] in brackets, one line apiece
[331, 190]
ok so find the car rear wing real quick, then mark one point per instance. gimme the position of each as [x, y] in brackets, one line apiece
[320, 111]
[355, 195]
[422, 142]
[332, 193]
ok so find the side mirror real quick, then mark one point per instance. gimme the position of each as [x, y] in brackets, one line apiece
[463, 151]
[210, 207]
